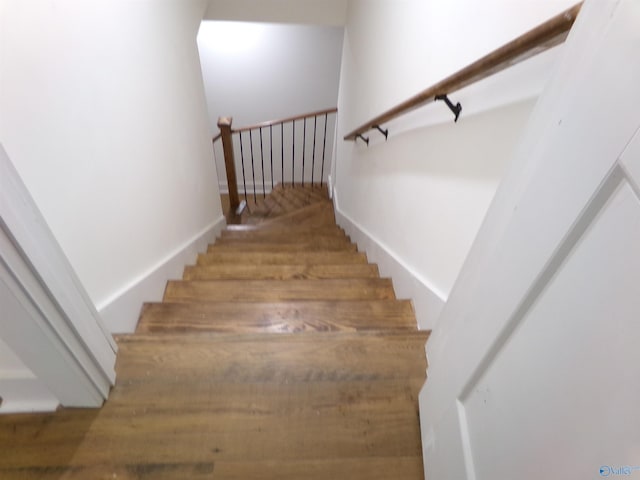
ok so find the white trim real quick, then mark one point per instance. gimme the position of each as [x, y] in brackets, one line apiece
[428, 302]
[36, 330]
[121, 310]
[49, 321]
[25, 394]
[20, 390]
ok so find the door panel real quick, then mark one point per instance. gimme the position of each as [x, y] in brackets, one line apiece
[630, 162]
[565, 384]
[532, 367]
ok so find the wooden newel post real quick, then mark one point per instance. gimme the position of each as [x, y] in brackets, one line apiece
[224, 124]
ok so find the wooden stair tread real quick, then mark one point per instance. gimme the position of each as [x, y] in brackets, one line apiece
[380, 354]
[311, 188]
[255, 231]
[356, 468]
[285, 237]
[365, 468]
[312, 239]
[261, 364]
[273, 204]
[277, 317]
[296, 197]
[186, 404]
[314, 187]
[266, 247]
[316, 215]
[278, 203]
[282, 201]
[283, 258]
[230, 271]
[278, 290]
[289, 199]
[264, 207]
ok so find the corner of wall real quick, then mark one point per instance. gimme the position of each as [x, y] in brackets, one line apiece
[427, 301]
[120, 312]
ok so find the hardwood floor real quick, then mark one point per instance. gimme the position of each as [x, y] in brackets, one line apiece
[250, 370]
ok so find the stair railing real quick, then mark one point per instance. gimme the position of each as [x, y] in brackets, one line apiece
[299, 157]
[546, 35]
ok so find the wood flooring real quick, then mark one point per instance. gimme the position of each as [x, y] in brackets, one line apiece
[292, 361]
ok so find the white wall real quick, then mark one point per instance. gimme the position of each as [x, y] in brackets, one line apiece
[102, 110]
[256, 72]
[421, 196]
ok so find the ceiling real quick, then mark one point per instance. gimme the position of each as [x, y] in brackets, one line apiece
[314, 12]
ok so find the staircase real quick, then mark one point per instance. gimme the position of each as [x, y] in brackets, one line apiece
[281, 354]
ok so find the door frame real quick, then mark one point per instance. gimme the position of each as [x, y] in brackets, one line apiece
[48, 321]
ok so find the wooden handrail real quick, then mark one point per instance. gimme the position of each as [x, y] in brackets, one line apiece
[535, 41]
[286, 120]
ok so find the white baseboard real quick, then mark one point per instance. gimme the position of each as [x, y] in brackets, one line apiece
[25, 394]
[427, 302]
[120, 312]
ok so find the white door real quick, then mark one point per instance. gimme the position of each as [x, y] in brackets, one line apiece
[534, 366]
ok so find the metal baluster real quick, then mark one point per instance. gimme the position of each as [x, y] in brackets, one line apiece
[293, 154]
[304, 146]
[244, 183]
[324, 145]
[271, 151]
[262, 163]
[253, 172]
[313, 158]
[282, 151]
